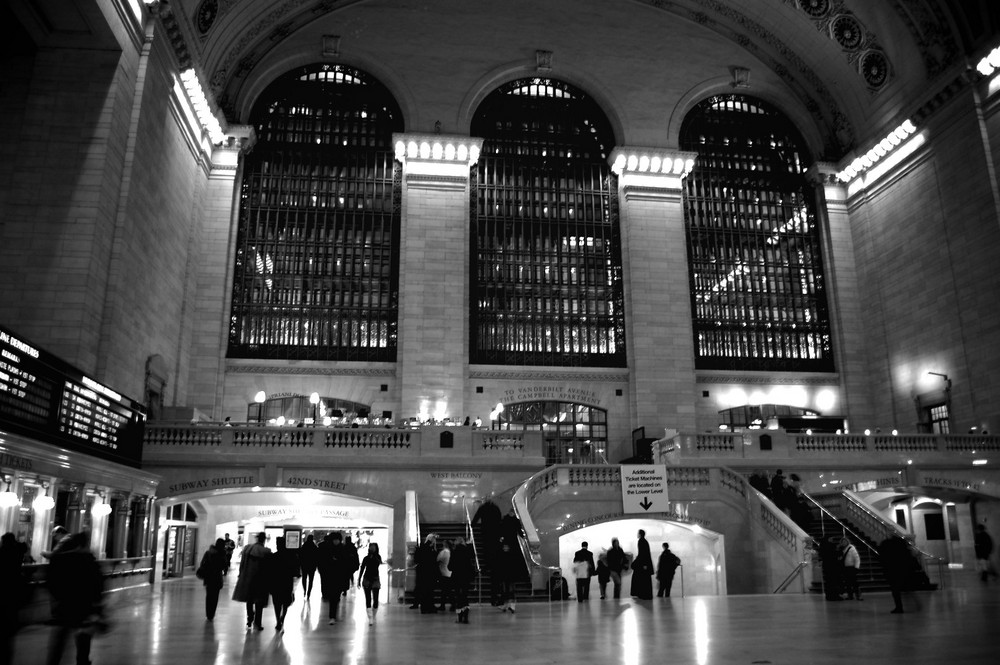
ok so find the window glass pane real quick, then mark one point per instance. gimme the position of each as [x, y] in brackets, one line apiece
[546, 260]
[316, 266]
[758, 294]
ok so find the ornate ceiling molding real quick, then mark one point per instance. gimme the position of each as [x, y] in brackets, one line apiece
[859, 44]
[932, 32]
[616, 376]
[233, 368]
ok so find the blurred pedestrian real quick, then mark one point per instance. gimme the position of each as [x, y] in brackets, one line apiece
[15, 593]
[617, 564]
[75, 583]
[851, 562]
[282, 571]
[210, 572]
[252, 584]
[463, 570]
[894, 554]
[308, 561]
[984, 549]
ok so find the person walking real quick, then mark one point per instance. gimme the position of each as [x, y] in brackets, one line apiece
[370, 582]
[75, 584]
[230, 548]
[894, 555]
[603, 575]
[282, 571]
[210, 572]
[983, 544]
[251, 585]
[463, 570]
[444, 577]
[642, 570]
[15, 593]
[852, 562]
[504, 571]
[666, 566]
[333, 571]
[617, 563]
[352, 561]
[308, 560]
[586, 557]
[489, 517]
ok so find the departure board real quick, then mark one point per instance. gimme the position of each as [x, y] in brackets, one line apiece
[46, 398]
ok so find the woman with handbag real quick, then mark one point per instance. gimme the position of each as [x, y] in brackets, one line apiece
[210, 571]
[368, 579]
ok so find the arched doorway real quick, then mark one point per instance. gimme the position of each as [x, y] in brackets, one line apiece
[574, 433]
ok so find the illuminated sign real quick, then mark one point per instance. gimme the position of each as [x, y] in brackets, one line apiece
[46, 398]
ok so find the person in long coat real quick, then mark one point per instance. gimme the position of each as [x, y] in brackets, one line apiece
[333, 571]
[427, 574]
[75, 583]
[211, 569]
[283, 569]
[463, 570]
[251, 587]
[308, 560]
[642, 570]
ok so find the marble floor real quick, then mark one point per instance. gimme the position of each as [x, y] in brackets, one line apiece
[166, 625]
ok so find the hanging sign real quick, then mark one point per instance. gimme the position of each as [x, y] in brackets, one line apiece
[644, 488]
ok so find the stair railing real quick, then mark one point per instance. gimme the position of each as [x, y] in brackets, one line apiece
[861, 512]
[844, 530]
[791, 576]
[471, 536]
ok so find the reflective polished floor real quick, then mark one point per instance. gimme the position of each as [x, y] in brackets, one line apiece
[167, 625]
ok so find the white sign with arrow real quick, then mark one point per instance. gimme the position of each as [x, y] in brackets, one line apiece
[644, 488]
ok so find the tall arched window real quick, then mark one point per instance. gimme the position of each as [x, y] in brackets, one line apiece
[546, 263]
[317, 250]
[758, 292]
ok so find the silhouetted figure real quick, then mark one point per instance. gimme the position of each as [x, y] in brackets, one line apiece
[833, 569]
[603, 575]
[617, 564]
[984, 549]
[427, 574]
[894, 555]
[778, 489]
[75, 583]
[308, 562]
[252, 584]
[282, 571]
[210, 571]
[463, 571]
[14, 594]
[334, 571]
[370, 582]
[488, 517]
[665, 569]
[851, 562]
[586, 557]
[642, 570]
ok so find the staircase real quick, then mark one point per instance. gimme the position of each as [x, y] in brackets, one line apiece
[481, 587]
[828, 523]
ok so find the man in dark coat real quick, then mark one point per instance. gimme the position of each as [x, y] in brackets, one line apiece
[333, 571]
[583, 554]
[488, 517]
[427, 574]
[617, 564]
[75, 583]
[463, 570]
[665, 569]
[894, 555]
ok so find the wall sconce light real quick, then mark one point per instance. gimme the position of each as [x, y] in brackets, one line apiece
[8, 498]
[43, 501]
[741, 77]
[100, 509]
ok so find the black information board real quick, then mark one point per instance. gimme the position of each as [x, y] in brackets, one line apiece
[46, 398]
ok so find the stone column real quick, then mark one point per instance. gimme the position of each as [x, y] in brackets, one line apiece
[848, 322]
[434, 273]
[658, 298]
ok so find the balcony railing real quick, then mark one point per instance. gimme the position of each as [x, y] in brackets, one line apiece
[164, 441]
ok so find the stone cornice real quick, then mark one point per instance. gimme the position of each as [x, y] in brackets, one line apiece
[553, 374]
[235, 368]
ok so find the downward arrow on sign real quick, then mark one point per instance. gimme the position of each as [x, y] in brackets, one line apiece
[645, 504]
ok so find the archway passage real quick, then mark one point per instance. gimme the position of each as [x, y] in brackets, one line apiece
[573, 433]
[189, 523]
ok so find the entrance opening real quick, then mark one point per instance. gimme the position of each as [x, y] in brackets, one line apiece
[702, 553]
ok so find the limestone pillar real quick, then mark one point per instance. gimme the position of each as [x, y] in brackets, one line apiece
[434, 273]
[658, 298]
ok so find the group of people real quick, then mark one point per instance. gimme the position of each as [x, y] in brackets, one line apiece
[611, 565]
[500, 550]
[449, 571]
[270, 576]
[840, 561]
[786, 493]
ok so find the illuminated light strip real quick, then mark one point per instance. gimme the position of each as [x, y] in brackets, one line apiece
[646, 161]
[438, 151]
[202, 109]
[990, 63]
[889, 144]
[875, 174]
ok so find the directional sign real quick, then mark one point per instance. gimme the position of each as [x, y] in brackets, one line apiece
[644, 488]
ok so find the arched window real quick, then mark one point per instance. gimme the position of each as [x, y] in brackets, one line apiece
[758, 291]
[317, 250]
[546, 265]
[573, 433]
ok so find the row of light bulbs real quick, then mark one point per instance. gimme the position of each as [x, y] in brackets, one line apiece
[9, 499]
[448, 152]
[881, 149]
[189, 78]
